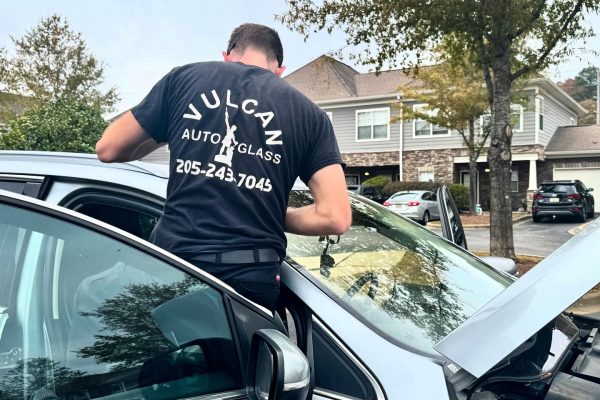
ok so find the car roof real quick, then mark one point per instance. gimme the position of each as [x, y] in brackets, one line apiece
[64, 161]
[143, 176]
[560, 182]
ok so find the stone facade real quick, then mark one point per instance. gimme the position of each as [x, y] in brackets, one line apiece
[440, 162]
[371, 159]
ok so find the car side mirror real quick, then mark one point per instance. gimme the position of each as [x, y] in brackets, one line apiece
[590, 189]
[277, 369]
[503, 264]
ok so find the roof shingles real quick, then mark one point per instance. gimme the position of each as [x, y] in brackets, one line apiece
[575, 138]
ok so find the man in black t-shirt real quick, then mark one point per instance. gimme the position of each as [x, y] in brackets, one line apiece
[238, 136]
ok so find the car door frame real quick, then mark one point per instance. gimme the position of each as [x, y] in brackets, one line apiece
[452, 228]
[243, 316]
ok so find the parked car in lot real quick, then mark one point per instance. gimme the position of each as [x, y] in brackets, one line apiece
[388, 310]
[371, 193]
[563, 198]
[419, 205]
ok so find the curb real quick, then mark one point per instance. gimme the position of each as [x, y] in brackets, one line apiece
[577, 229]
[436, 224]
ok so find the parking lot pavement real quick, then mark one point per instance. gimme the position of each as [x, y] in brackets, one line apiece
[538, 239]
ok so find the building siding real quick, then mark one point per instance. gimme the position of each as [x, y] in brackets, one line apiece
[344, 126]
[555, 115]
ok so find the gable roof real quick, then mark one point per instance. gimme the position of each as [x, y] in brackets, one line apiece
[326, 78]
[571, 139]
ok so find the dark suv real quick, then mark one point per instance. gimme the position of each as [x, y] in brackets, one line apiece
[555, 198]
[372, 193]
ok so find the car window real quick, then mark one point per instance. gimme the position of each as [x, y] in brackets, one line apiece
[369, 191]
[27, 187]
[403, 280]
[405, 196]
[426, 196]
[557, 188]
[84, 316]
[136, 222]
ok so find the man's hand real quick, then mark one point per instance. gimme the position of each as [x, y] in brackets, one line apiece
[330, 214]
[125, 140]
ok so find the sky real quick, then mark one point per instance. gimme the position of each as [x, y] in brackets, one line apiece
[141, 40]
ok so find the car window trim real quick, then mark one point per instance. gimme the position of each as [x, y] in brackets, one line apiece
[108, 197]
[377, 388]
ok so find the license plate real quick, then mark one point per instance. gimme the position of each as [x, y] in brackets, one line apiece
[554, 200]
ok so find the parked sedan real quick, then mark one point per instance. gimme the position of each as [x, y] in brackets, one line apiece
[419, 205]
[389, 310]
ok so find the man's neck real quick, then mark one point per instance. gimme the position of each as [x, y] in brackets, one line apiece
[256, 59]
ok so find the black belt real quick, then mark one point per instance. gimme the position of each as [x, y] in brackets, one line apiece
[254, 256]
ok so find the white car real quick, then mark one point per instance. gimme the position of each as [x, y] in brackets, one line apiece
[419, 205]
[387, 311]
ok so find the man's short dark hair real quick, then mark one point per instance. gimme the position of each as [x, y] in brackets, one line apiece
[257, 36]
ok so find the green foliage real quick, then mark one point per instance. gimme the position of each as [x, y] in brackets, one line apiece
[460, 194]
[400, 186]
[590, 117]
[51, 62]
[61, 125]
[377, 181]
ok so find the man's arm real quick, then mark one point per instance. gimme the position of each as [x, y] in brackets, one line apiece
[330, 214]
[125, 140]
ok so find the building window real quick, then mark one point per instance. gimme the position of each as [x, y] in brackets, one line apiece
[514, 181]
[330, 115]
[352, 179]
[425, 176]
[516, 119]
[425, 128]
[373, 124]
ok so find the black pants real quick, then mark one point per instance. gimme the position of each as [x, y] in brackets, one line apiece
[257, 282]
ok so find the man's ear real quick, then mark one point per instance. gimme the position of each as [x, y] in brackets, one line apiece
[226, 57]
[279, 71]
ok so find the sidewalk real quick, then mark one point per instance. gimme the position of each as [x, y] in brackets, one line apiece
[482, 221]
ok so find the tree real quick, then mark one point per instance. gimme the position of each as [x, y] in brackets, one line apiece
[590, 117]
[455, 98]
[587, 80]
[52, 62]
[62, 125]
[510, 38]
[583, 89]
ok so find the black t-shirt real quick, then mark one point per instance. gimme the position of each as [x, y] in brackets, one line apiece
[238, 136]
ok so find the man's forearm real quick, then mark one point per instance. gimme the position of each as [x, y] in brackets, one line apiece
[308, 221]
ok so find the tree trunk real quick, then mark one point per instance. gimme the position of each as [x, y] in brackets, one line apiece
[473, 155]
[499, 157]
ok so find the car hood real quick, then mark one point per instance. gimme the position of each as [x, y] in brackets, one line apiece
[526, 306]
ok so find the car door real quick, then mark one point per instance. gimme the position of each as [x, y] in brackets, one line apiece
[435, 210]
[90, 312]
[452, 228]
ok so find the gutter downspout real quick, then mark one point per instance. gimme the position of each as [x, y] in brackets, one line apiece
[401, 145]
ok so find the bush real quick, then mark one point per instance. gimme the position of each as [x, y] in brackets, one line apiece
[377, 182]
[460, 194]
[400, 186]
[62, 125]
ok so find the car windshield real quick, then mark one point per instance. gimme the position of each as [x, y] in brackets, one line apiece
[406, 282]
[406, 196]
